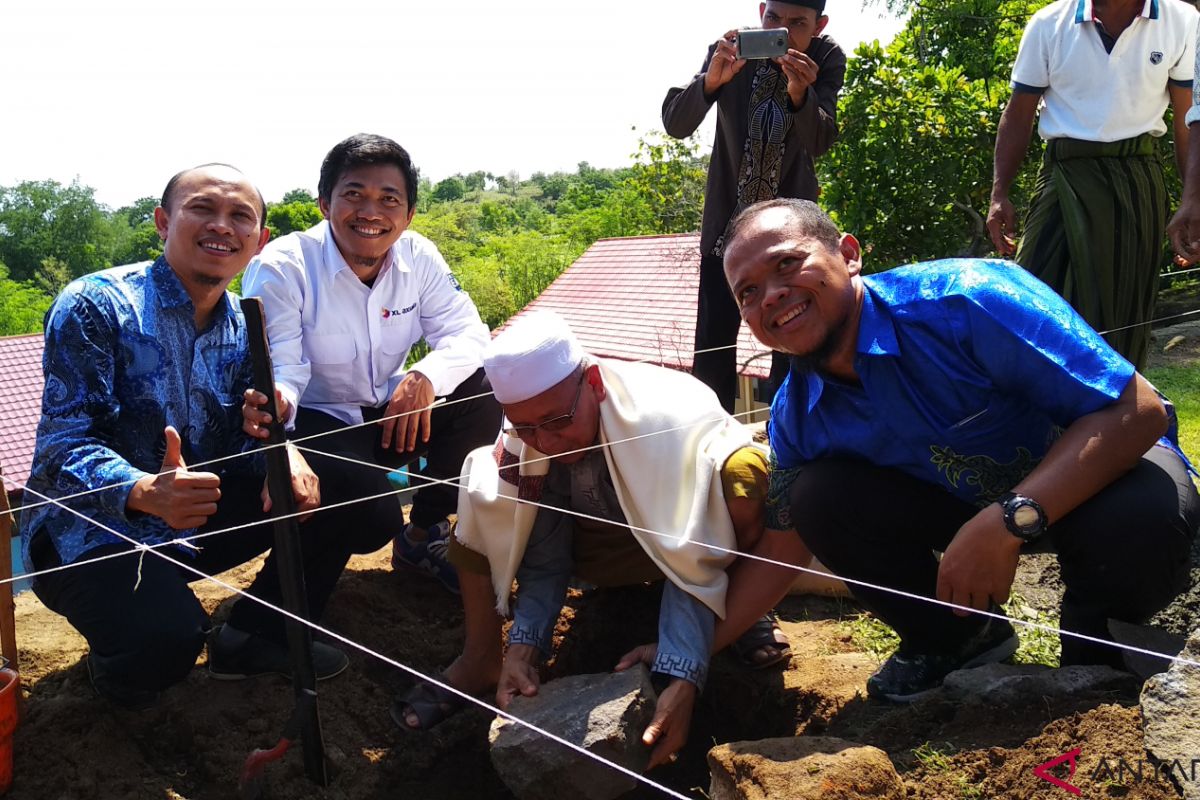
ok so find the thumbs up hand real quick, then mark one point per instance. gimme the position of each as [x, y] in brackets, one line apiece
[183, 499]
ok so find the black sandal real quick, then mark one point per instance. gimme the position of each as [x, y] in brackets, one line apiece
[759, 635]
[432, 705]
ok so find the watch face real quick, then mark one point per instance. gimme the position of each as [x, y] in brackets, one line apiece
[1026, 516]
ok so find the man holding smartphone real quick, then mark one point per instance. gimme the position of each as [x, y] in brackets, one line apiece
[774, 116]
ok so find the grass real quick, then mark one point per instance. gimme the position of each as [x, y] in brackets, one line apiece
[1037, 646]
[1182, 386]
[873, 636]
[933, 759]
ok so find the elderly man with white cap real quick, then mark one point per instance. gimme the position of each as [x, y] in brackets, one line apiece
[617, 473]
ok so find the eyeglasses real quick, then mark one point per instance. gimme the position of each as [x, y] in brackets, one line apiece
[551, 425]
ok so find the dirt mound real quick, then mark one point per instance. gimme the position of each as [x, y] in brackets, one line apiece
[72, 745]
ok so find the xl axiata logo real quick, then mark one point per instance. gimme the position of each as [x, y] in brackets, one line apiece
[388, 313]
[1060, 771]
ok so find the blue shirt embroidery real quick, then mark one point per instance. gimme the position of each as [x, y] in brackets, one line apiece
[123, 360]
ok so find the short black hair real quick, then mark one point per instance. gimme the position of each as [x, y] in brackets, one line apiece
[168, 193]
[366, 148]
[807, 216]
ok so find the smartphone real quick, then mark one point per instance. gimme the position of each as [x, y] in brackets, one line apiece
[762, 43]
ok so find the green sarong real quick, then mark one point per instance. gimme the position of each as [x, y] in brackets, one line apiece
[1095, 232]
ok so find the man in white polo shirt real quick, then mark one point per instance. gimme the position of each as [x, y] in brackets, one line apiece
[1105, 71]
[345, 302]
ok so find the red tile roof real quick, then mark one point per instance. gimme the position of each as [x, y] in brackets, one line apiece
[20, 403]
[634, 298]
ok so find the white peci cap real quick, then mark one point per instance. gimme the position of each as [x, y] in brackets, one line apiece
[531, 355]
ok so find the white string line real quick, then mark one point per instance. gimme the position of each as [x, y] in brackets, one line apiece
[367, 651]
[262, 448]
[809, 570]
[457, 482]
[1149, 322]
[188, 540]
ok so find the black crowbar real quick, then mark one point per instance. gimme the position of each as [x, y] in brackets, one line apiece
[306, 719]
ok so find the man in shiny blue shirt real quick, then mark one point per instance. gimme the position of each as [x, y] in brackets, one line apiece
[977, 411]
[145, 368]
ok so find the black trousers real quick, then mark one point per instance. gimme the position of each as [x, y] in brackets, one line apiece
[1124, 554]
[456, 429]
[717, 324]
[148, 637]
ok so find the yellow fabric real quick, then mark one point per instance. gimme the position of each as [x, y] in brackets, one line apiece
[746, 473]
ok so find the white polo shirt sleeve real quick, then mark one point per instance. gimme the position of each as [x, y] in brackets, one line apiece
[1031, 70]
[277, 276]
[1193, 114]
[449, 321]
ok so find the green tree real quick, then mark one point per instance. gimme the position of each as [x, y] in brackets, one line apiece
[135, 235]
[297, 215]
[44, 219]
[482, 278]
[911, 173]
[52, 275]
[141, 210]
[22, 306]
[669, 177]
[298, 196]
[452, 188]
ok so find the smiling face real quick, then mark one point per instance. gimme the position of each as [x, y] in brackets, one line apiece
[368, 210]
[211, 226]
[563, 444]
[797, 293]
[802, 22]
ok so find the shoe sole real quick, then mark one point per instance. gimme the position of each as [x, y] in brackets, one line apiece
[236, 676]
[996, 654]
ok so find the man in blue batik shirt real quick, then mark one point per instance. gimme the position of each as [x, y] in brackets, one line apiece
[145, 369]
[977, 412]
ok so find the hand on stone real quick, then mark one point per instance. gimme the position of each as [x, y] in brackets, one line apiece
[518, 675]
[668, 731]
[644, 654]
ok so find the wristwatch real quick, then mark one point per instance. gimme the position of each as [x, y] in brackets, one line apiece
[1023, 516]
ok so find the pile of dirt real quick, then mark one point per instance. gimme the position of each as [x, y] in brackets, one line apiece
[72, 745]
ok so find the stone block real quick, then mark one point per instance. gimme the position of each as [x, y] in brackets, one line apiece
[802, 768]
[605, 714]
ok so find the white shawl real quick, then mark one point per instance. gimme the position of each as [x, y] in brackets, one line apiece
[666, 439]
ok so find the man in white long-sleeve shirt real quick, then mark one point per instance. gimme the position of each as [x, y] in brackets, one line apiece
[345, 302]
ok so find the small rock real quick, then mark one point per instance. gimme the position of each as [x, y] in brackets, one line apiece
[1021, 683]
[1171, 714]
[605, 714]
[802, 768]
